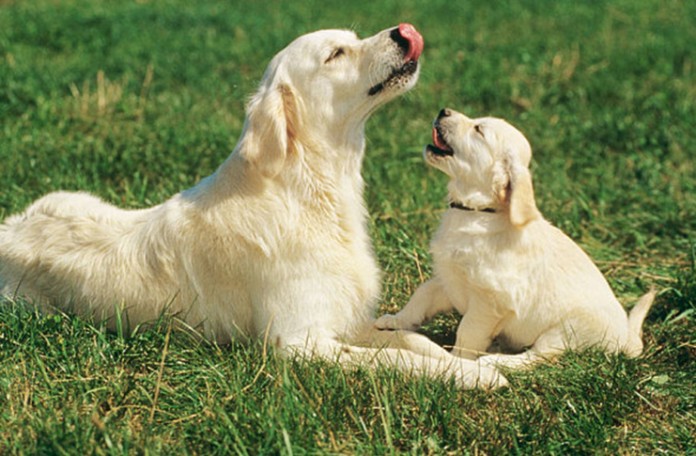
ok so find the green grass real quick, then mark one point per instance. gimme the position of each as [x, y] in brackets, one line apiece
[136, 100]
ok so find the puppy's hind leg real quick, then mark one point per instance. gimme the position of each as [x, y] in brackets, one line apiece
[547, 347]
[428, 300]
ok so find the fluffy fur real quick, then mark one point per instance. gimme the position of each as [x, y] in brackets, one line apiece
[509, 272]
[273, 245]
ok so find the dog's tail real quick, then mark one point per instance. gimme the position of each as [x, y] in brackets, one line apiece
[634, 347]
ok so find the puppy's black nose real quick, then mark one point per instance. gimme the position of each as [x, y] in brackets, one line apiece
[444, 112]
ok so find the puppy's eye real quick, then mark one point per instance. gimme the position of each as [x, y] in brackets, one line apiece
[338, 52]
[479, 129]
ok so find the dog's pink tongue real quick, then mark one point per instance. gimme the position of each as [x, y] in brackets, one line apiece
[415, 41]
[437, 142]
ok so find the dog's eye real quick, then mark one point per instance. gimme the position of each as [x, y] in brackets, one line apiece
[335, 54]
[479, 129]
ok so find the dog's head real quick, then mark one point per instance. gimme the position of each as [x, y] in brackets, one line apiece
[487, 160]
[322, 88]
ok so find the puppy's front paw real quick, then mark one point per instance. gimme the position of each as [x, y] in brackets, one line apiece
[389, 321]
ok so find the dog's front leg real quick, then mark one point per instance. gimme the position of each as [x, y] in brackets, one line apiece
[434, 363]
[401, 339]
[429, 299]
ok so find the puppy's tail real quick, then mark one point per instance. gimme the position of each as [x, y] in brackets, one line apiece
[635, 323]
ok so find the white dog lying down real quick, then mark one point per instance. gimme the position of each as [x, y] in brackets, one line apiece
[272, 245]
[502, 266]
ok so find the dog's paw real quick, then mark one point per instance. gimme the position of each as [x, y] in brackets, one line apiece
[389, 321]
[491, 378]
[484, 377]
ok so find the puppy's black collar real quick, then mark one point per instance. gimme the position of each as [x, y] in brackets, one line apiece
[460, 206]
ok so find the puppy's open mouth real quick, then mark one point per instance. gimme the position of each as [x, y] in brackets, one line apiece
[439, 146]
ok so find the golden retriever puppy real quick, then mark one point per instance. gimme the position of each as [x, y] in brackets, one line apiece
[510, 273]
[272, 246]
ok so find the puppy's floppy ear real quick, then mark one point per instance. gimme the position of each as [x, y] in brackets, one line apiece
[270, 129]
[519, 196]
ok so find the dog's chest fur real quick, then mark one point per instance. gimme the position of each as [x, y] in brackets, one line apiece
[473, 249]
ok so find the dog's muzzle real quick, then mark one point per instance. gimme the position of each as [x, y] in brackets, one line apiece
[411, 44]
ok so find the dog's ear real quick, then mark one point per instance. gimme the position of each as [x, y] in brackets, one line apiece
[519, 195]
[271, 129]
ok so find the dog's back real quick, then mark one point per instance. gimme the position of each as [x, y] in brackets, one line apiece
[63, 244]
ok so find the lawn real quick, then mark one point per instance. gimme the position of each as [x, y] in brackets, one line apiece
[137, 100]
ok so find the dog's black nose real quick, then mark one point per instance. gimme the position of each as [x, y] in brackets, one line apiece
[400, 40]
[444, 112]
[409, 40]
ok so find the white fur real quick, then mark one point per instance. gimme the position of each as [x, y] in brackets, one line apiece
[510, 273]
[272, 245]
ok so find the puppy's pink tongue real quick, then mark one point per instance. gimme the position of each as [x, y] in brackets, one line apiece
[415, 41]
[437, 142]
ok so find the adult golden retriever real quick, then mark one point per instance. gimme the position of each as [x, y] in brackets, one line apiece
[509, 272]
[273, 245]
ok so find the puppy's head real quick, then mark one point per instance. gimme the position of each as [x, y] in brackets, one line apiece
[322, 88]
[487, 160]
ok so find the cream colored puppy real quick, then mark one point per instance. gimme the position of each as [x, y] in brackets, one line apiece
[510, 273]
[272, 246]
